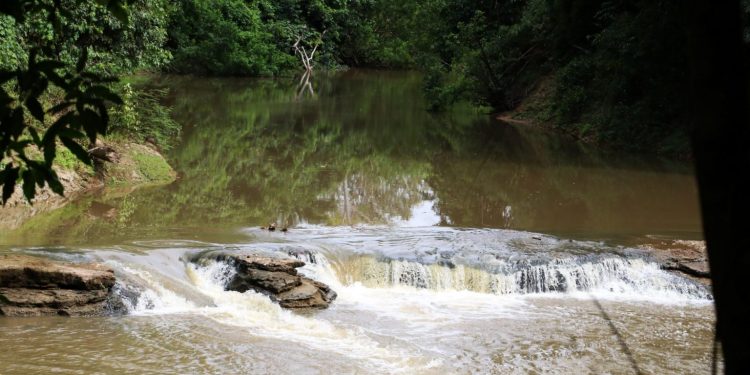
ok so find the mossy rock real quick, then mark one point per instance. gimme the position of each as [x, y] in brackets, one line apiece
[153, 167]
[138, 164]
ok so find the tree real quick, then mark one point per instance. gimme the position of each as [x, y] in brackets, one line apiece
[721, 130]
[81, 114]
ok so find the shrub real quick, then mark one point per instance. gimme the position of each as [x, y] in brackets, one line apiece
[143, 116]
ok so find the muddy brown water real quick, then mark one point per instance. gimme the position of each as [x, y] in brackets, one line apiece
[457, 244]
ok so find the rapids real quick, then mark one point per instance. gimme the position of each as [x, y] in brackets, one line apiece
[430, 301]
[456, 244]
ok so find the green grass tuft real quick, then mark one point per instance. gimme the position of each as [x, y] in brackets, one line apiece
[153, 167]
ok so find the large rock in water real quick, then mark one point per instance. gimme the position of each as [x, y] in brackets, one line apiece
[688, 258]
[278, 279]
[31, 286]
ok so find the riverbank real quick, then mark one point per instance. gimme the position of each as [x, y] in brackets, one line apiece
[536, 109]
[130, 165]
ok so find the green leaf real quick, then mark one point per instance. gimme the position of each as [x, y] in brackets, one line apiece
[57, 126]
[103, 92]
[29, 188]
[35, 136]
[10, 175]
[35, 108]
[81, 64]
[77, 150]
[54, 183]
[49, 66]
[49, 152]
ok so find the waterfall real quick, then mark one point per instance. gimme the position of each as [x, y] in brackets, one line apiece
[605, 274]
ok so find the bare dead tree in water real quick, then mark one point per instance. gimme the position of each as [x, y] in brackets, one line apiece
[307, 59]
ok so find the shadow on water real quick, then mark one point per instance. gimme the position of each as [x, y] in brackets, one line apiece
[363, 150]
[620, 339]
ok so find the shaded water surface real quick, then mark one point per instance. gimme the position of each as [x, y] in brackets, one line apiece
[456, 244]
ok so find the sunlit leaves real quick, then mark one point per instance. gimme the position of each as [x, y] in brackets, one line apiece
[22, 114]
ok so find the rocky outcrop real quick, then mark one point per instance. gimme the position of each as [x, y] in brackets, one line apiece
[31, 286]
[277, 278]
[687, 258]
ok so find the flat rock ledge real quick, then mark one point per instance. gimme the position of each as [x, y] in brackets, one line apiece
[278, 279]
[31, 286]
[687, 258]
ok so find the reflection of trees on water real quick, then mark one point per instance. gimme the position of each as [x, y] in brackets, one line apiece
[366, 151]
[305, 87]
[375, 199]
[251, 155]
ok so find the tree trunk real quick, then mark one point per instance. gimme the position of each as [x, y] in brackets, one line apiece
[721, 145]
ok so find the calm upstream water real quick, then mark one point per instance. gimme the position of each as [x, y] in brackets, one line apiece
[456, 244]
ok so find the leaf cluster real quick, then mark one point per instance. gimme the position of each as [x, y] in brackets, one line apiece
[26, 123]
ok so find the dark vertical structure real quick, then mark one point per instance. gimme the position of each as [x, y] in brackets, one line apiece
[721, 145]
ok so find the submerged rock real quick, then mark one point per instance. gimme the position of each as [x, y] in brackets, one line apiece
[31, 286]
[278, 279]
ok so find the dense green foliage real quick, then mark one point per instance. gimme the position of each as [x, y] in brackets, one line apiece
[59, 61]
[26, 124]
[223, 37]
[142, 116]
[602, 70]
[115, 45]
[238, 37]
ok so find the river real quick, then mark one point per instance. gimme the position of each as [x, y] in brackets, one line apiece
[456, 244]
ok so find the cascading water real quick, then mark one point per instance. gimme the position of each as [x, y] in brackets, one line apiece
[455, 304]
[605, 274]
[503, 263]
[147, 291]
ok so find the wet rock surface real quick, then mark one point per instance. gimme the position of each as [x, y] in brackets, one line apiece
[31, 286]
[277, 278]
[687, 258]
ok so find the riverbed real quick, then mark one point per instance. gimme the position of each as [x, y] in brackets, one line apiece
[456, 244]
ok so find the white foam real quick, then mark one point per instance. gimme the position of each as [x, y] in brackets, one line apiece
[155, 298]
[608, 277]
[262, 317]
